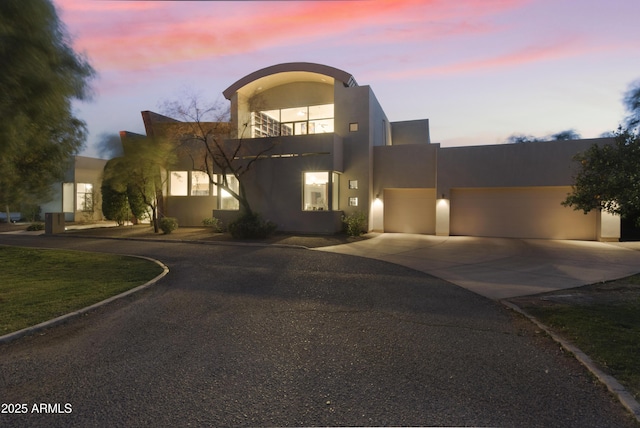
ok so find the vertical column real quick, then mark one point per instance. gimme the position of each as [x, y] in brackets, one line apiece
[442, 216]
[376, 218]
[608, 227]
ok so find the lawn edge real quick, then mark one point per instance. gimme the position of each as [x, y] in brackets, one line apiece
[71, 315]
[612, 384]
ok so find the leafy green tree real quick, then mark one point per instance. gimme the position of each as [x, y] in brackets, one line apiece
[115, 205]
[631, 103]
[569, 134]
[521, 138]
[140, 173]
[609, 177]
[41, 76]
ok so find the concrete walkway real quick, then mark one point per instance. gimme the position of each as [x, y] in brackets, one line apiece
[500, 268]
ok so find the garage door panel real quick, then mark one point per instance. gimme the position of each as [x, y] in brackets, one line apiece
[518, 213]
[409, 210]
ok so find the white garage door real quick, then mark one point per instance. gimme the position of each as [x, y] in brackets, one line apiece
[410, 210]
[521, 212]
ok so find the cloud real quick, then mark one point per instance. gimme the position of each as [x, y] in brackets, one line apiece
[140, 35]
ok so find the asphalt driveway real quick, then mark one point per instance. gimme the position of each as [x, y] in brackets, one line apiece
[260, 336]
[501, 268]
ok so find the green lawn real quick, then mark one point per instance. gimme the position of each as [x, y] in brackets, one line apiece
[37, 285]
[608, 332]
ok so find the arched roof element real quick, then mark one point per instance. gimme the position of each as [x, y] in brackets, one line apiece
[293, 71]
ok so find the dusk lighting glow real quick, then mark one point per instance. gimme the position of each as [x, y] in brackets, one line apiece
[480, 70]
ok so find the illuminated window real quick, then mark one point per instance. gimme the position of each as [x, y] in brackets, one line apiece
[293, 121]
[199, 183]
[178, 183]
[84, 197]
[320, 193]
[226, 201]
[353, 201]
[67, 197]
[353, 184]
[353, 127]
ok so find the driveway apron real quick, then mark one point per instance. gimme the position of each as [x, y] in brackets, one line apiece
[500, 268]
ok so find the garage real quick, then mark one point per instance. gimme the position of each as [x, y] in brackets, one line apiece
[518, 212]
[410, 210]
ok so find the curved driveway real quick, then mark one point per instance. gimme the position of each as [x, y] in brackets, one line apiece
[500, 268]
[261, 336]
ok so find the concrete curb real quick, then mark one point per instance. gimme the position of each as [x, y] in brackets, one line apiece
[64, 318]
[627, 400]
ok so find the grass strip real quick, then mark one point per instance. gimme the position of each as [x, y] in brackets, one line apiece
[37, 285]
[608, 332]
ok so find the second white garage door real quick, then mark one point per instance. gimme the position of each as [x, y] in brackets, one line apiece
[521, 212]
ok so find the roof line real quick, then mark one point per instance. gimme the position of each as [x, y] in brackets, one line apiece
[340, 75]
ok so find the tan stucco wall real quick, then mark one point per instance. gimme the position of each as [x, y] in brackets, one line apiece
[547, 163]
[410, 132]
[190, 210]
[518, 212]
[408, 166]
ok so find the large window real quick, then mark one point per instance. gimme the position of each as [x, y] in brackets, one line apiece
[292, 121]
[189, 183]
[84, 197]
[178, 183]
[199, 183]
[320, 191]
[225, 200]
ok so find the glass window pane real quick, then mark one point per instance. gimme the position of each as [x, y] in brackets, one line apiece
[228, 202]
[287, 129]
[178, 185]
[295, 114]
[272, 114]
[67, 197]
[84, 197]
[199, 183]
[316, 191]
[301, 128]
[320, 126]
[324, 111]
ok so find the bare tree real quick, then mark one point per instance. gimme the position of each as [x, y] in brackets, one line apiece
[215, 144]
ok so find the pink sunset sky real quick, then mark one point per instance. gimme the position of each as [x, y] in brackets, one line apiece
[480, 70]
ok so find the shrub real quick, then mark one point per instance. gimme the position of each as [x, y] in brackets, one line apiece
[213, 223]
[251, 226]
[115, 205]
[168, 224]
[31, 212]
[355, 224]
[35, 226]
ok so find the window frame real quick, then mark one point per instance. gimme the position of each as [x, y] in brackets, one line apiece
[85, 200]
[331, 192]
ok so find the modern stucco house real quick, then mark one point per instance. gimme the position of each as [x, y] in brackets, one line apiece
[335, 152]
[78, 195]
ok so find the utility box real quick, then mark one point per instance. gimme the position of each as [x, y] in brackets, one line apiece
[53, 223]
